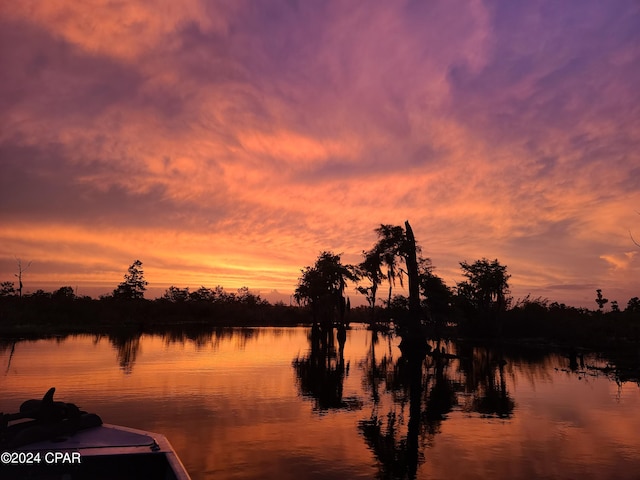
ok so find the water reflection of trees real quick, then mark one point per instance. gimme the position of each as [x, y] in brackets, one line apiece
[128, 344]
[4, 347]
[421, 386]
[320, 374]
[7, 344]
[127, 348]
[411, 397]
[483, 370]
[212, 338]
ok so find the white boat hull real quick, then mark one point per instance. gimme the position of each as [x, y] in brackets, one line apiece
[102, 452]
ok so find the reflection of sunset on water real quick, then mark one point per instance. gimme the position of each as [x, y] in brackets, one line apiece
[231, 143]
[233, 405]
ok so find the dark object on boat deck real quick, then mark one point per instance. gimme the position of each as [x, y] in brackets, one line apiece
[47, 410]
[50, 420]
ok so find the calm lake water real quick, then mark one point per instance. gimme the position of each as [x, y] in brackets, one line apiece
[281, 404]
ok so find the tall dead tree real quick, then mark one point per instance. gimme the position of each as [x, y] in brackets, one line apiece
[411, 260]
[19, 275]
[414, 343]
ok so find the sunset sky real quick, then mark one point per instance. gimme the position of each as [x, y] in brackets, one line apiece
[229, 143]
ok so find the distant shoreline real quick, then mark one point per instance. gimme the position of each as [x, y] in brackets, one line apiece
[32, 317]
[53, 317]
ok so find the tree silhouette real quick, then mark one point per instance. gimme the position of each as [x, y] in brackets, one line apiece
[322, 287]
[409, 250]
[18, 275]
[203, 294]
[633, 306]
[486, 288]
[436, 296]
[134, 284]
[176, 295]
[396, 244]
[371, 268]
[246, 297]
[614, 306]
[63, 293]
[600, 300]
[390, 241]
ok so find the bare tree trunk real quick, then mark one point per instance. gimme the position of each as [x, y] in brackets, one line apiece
[19, 275]
[412, 273]
[414, 345]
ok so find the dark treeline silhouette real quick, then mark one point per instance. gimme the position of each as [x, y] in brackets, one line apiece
[43, 313]
[479, 306]
[126, 308]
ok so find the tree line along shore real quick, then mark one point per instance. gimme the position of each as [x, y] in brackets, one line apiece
[480, 306]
